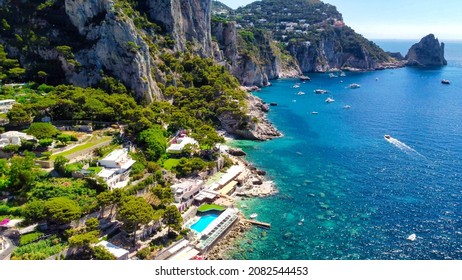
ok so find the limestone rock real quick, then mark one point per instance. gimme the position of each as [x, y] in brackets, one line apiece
[427, 53]
[185, 20]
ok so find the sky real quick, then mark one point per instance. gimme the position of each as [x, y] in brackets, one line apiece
[396, 19]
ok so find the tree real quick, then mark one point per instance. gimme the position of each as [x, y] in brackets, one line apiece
[64, 138]
[59, 165]
[154, 141]
[62, 210]
[165, 195]
[101, 253]
[92, 224]
[19, 115]
[34, 211]
[42, 130]
[135, 211]
[44, 143]
[84, 241]
[22, 172]
[172, 218]
[11, 148]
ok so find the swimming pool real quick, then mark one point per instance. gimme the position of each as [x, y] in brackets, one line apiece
[203, 222]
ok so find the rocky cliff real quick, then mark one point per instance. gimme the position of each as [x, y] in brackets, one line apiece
[427, 53]
[186, 21]
[252, 57]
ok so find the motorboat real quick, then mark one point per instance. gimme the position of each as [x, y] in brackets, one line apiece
[346, 107]
[329, 100]
[305, 78]
[342, 74]
[387, 136]
[446, 82]
[253, 216]
[412, 237]
[332, 75]
[320, 91]
[300, 93]
[353, 86]
[314, 113]
[297, 85]
[301, 221]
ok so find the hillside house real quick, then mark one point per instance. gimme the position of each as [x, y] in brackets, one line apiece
[116, 168]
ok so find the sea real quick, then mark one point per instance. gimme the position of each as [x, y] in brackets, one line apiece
[346, 192]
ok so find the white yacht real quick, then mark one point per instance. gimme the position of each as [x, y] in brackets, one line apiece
[253, 216]
[329, 100]
[320, 91]
[300, 93]
[353, 86]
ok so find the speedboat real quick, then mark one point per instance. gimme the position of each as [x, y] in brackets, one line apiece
[301, 222]
[412, 237]
[329, 100]
[342, 74]
[387, 136]
[300, 93]
[353, 86]
[296, 85]
[253, 216]
[346, 107]
[320, 91]
[446, 82]
[314, 113]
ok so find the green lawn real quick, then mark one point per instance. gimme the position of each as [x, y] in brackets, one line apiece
[210, 207]
[93, 142]
[170, 163]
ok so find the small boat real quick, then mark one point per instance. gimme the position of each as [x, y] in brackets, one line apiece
[376, 79]
[412, 237]
[320, 91]
[314, 113]
[332, 75]
[301, 222]
[300, 93]
[353, 86]
[297, 85]
[329, 100]
[346, 107]
[253, 216]
[305, 78]
[273, 104]
[387, 136]
[446, 82]
[342, 74]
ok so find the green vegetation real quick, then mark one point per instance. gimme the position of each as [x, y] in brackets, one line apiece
[135, 211]
[62, 210]
[40, 250]
[210, 207]
[172, 218]
[29, 238]
[171, 163]
[91, 143]
[42, 130]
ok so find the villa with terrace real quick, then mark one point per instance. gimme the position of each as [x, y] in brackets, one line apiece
[179, 142]
[185, 192]
[116, 168]
[14, 138]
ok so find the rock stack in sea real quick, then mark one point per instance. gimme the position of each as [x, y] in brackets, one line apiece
[427, 53]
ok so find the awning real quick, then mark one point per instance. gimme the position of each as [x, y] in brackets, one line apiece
[228, 188]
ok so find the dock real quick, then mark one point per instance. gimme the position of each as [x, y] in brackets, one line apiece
[260, 224]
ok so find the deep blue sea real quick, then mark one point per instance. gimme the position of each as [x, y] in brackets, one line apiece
[359, 195]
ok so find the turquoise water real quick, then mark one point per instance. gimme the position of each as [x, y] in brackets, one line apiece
[360, 195]
[203, 222]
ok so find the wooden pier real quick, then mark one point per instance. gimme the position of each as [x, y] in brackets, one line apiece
[260, 224]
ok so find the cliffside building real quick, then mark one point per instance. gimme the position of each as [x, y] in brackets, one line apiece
[117, 166]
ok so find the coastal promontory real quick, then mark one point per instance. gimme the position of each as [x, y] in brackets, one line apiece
[427, 53]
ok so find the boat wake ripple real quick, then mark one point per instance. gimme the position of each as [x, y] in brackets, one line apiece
[403, 147]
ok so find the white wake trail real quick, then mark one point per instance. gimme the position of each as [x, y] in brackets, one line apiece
[403, 147]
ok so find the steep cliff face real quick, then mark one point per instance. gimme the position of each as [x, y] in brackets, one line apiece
[254, 60]
[427, 53]
[118, 48]
[331, 52]
[185, 20]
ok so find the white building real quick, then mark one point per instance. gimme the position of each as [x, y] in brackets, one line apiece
[14, 138]
[184, 192]
[117, 166]
[178, 143]
[119, 253]
[6, 105]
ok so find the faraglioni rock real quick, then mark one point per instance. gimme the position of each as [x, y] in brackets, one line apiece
[427, 53]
